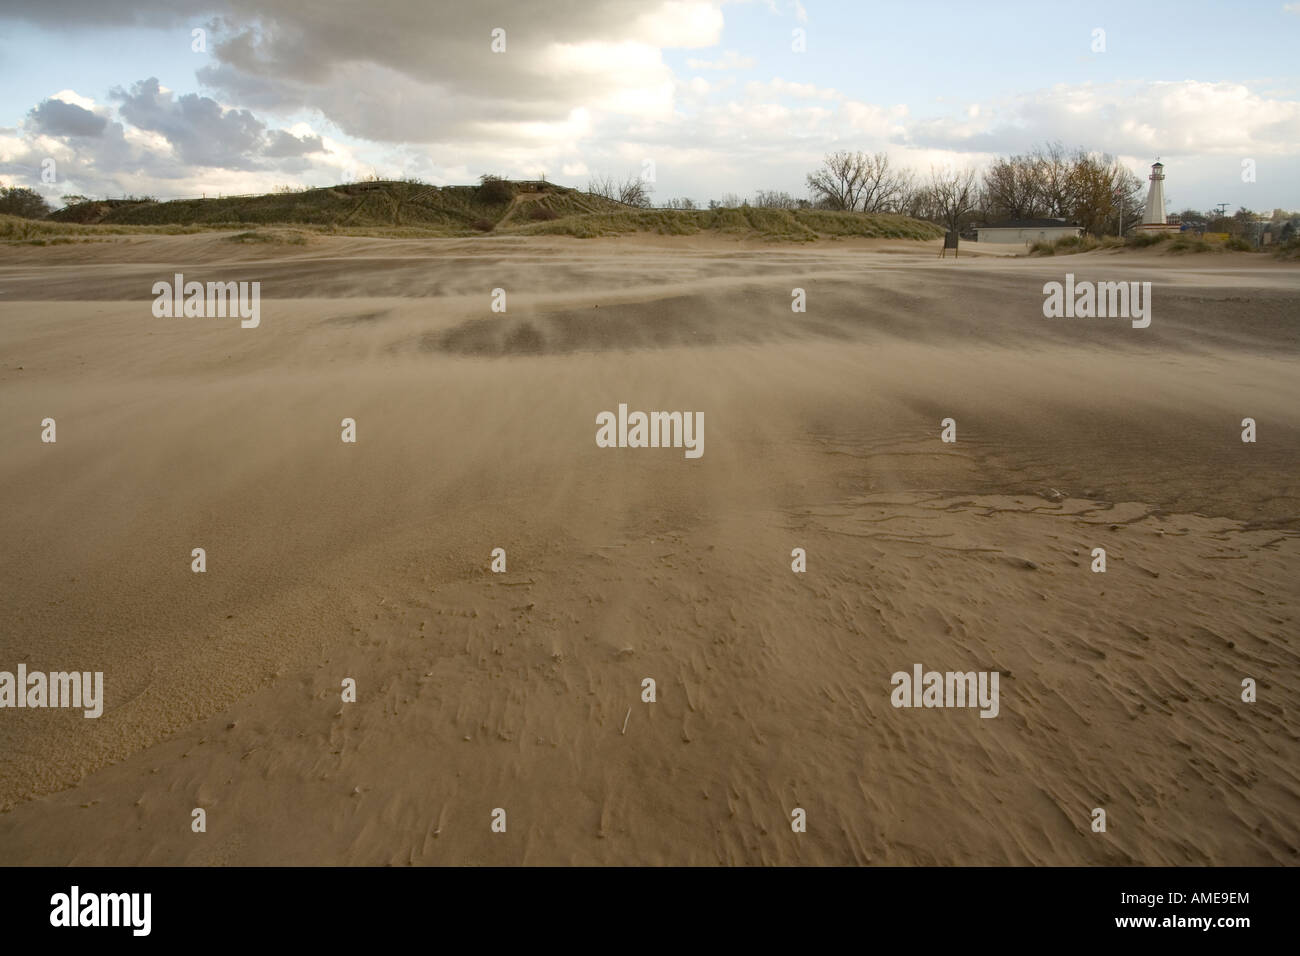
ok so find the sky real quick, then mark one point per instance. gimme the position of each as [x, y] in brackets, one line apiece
[179, 98]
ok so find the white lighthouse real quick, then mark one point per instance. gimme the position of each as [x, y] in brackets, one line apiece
[1155, 214]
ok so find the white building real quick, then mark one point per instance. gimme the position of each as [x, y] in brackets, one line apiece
[1155, 212]
[1153, 219]
[1027, 230]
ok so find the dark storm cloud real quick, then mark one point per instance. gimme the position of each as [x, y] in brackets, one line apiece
[106, 13]
[284, 145]
[57, 118]
[392, 70]
[200, 131]
[401, 71]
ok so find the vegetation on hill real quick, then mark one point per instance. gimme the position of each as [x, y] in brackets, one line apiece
[449, 209]
[16, 228]
[772, 224]
[496, 206]
[1177, 242]
[23, 202]
[1068, 245]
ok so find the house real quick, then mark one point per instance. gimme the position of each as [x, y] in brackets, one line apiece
[1027, 230]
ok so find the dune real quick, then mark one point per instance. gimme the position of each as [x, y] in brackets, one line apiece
[522, 690]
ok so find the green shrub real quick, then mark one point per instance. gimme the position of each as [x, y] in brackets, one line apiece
[1143, 239]
[1067, 245]
[291, 237]
[23, 202]
[1191, 244]
[1289, 249]
[494, 191]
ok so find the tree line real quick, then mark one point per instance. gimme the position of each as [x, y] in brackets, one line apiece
[1050, 182]
[1088, 189]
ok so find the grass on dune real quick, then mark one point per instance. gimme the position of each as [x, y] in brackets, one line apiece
[402, 209]
[746, 221]
[1173, 243]
[14, 228]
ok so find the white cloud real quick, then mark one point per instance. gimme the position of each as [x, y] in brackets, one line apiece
[148, 141]
[1185, 116]
[730, 60]
[681, 24]
[879, 122]
[780, 87]
[76, 99]
[10, 148]
[525, 135]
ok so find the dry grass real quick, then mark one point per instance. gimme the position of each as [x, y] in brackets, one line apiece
[562, 213]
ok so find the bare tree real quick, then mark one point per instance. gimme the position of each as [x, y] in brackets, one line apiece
[838, 184]
[1127, 190]
[1054, 172]
[917, 201]
[772, 199]
[1013, 188]
[728, 201]
[953, 195]
[882, 185]
[601, 186]
[905, 188]
[632, 191]
[635, 191]
[859, 181]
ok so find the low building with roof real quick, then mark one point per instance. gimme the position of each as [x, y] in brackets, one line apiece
[1027, 230]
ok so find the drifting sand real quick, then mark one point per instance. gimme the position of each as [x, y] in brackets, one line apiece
[476, 430]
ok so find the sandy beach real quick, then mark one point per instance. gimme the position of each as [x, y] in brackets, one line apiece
[522, 690]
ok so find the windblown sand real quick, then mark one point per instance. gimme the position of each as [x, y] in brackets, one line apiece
[476, 431]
